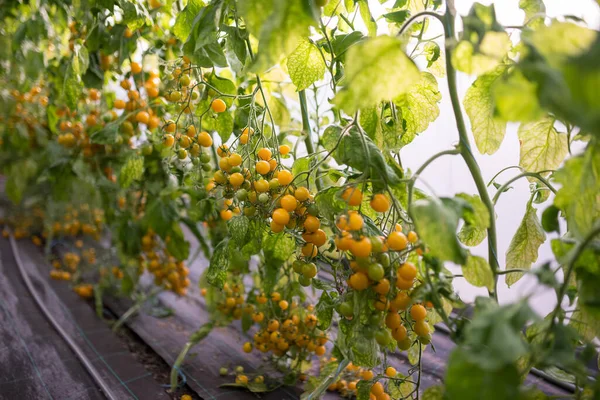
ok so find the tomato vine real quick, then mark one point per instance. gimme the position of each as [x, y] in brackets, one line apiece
[274, 131]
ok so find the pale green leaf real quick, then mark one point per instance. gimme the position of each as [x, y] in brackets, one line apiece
[477, 221]
[477, 272]
[219, 263]
[436, 224]
[492, 50]
[586, 324]
[370, 76]
[561, 40]
[185, 19]
[238, 229]
[433, 393]
[132, 170]
[419, 106]
[578, 197]
[282, 31]
[305, 65]
[523, 248]
[367, 17]
[535, 12]
[542, 146]
[488, 130]
[516, 98]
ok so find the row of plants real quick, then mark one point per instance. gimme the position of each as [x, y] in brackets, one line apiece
[273, 132]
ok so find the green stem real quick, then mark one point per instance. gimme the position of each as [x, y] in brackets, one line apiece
[412, 19]
[465, 147]
[310, 148]
[425, 165]
[535, 175]
[177, 365]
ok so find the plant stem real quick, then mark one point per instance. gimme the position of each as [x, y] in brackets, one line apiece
[425, 164]
[465, 147]
[412, 19]
[521, 175]
[310, 148]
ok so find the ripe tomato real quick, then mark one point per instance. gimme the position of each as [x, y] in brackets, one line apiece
[218, 106]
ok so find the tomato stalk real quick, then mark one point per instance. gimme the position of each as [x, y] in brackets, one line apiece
[195, 338]
[310, 148]
[465, 147]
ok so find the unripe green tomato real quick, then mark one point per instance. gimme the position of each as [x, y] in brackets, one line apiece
[376, 272]
[274, 184]
[376, 244]
[205, 158]
[223, 371]
[119, 140]
[239, 369]
[375, 319]
[147, 149]
[206, 167]
[321, 3]
[195, 95]
[246, 185]
[263, 198]
[241, 194]
[182, 153]
[304, 281]
[384, 259]
[185, 80]
[425, 339]
[346, 309]
[195, 160]
[297, 266]
[405, 344]
[383, 337]
[309, 270]
[249, 211]
[234, 170]
[313, 210]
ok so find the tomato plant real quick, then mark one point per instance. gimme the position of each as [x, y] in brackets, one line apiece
[275, 132]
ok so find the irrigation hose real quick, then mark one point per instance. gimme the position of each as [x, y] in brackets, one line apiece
[65, 336]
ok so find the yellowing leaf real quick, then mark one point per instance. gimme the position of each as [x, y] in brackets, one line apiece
[419, 106]
[562, 40]
[376, 69]
[305, 65]
[542, 147]
[493, 48]
[477, 272]
[523, 248]
[132, 170]
[516, 98]
[488, 130]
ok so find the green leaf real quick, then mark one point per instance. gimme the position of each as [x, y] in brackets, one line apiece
[523, 248]
[281, 32]
[324, 311]
[477, 272]
[329, 203]
[279, 247]
[132, 170]
[477, 220]
[369, 78]
[578, 197]
[436, 224]
[398, 389]
[327, 376]
[221, 123]
[542, 146]
[185, 19]
[488, 129]
[364, 351]
[368, 158]
[224, 86]
[160, 216]
[135, 14]
[367, 17]
[535, 12]
[107, 135]
[419, 106]
[72, 84]
[300, 165]
[466, 380]
[585, 323]
[177, 245]
[305, 65]
[238, 229]
[433, 393]
[516, 99]
[398, 17]
[363, 390]
[219, 263]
